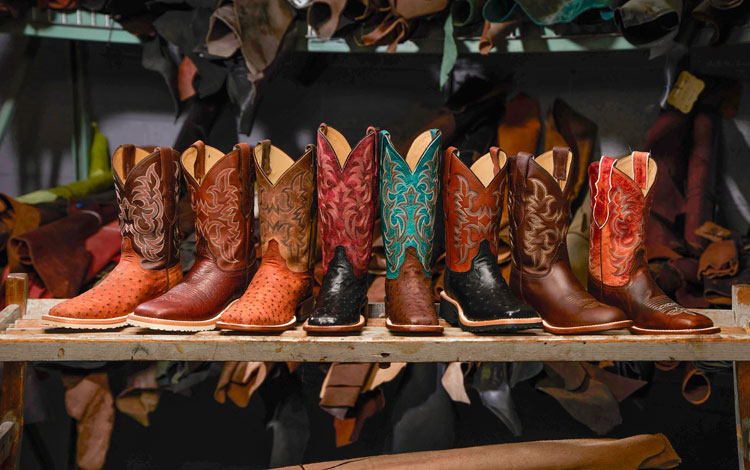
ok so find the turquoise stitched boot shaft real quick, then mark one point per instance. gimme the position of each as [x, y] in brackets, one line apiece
[409, 191]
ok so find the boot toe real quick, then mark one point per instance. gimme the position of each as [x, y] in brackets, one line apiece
[159, 310]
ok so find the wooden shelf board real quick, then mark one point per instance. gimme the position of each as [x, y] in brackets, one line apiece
[29, 340]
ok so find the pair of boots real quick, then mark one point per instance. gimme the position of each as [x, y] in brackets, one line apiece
[145, 289]
[621, 292]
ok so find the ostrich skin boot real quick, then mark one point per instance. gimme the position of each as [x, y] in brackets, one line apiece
[347, 193]
[476, 297]
[621, 199]
[282, 287]
[540, 275]
[147, 187]
[221, 195]
[409, 189]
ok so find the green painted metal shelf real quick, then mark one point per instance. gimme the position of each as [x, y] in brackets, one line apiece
[76, 25]
[81, 25]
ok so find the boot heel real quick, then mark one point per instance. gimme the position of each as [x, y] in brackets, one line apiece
[304, 309]
[448, 311]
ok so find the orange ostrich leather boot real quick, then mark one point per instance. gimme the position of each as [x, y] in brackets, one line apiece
[221, 194]
[282, 287]
[147, 188]
[621, 198]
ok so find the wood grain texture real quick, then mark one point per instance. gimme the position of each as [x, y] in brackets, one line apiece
[742, 411]
[741, 305]
[14, 373]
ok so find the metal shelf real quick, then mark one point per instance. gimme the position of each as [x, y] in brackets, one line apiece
[81, 25]
[76, 25]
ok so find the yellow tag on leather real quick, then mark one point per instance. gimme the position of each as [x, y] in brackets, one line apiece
[685, 92]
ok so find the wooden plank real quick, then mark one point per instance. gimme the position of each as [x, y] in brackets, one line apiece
[14, 374]
[17, 290]
[742, 411]
[7, 431]
[30, 339]
[741, 305]
[9, 315]
[374, 344]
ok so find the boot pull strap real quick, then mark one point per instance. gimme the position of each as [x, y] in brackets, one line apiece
[560, 163]
[311, 149]
[323, 128]
[128, 159]
[199, 167]
[450, 152]
[600, 191]
[640, 168]
[246, 168]
[494, 151]
[265, 157]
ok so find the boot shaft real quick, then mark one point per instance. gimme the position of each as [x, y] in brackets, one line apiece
[147, 188]
[539, 209]
[409, 189]
[222, 194]
[472, 203]
[286, 202]
[347, 196]
[621, 198]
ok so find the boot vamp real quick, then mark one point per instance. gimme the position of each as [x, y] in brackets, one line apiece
[341, 295]
[650, 308]
[203, 294]
[408, 297]
[272, 296]
[126, 287]
[482, 292]
[562, 301]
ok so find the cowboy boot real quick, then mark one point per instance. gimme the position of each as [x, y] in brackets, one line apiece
[347, 195]
[147, 188]
[282, 287]
[621, 196]
[476, 297]
[409, 189]
[540, 275]
[221, 195]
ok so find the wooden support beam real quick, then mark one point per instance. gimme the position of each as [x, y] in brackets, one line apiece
[14, 373]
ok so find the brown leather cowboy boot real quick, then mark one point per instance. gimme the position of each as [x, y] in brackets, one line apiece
[282, 287]
[221, 194]
[540, 274]
[476, 297]
[409, 189]
[621, 198]
[147, 189]
[347, 200]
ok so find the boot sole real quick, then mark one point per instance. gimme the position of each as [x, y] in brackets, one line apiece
[452, 312]
[429, 329]
[84, 323]
[323, 329]
[174, 325]
[694, 331]
[576, 330]
[302, 311]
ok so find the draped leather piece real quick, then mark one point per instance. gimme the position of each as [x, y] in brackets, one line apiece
[147, 192]
[618, 270]
[408, 204]
[476, 296]
[282, 287]
[540, 273]
[222, 201]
